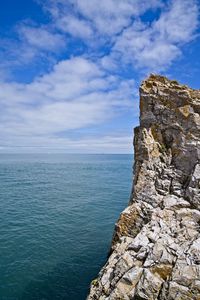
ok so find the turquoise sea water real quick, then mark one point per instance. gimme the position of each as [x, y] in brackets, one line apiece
[57, 214]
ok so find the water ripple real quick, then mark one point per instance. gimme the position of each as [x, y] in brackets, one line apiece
[57, 214]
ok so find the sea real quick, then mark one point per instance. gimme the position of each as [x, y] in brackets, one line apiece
[57, 216]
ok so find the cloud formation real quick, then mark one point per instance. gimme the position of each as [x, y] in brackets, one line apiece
[41, 38]
[87, 46]
[77, 93]
[106, 17]
[155, 46]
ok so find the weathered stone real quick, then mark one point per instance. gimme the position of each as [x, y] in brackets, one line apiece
[149, 286]
[155, 251]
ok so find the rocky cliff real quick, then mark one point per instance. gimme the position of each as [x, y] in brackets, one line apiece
[156, 245]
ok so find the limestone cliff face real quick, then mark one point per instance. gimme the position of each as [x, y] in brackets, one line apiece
[156, 245]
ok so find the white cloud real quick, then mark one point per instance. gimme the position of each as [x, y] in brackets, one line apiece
[106, 17]
[41, 38]
[32, 44]
[179, 22]
[74, 26]
[76, 94]
[154, 46]
[110, 16]
[115, 25]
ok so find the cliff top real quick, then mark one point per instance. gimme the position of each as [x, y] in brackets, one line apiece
[159, 80]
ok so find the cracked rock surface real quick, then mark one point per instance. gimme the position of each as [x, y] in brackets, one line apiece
[155, 252]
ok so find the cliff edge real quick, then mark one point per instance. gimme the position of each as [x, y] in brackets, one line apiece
[155, 251]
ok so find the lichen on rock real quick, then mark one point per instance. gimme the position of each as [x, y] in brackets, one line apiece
[155, 252]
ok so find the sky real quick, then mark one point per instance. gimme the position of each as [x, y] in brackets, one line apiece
[70, 69]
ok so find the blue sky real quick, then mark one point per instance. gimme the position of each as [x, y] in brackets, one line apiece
[70, 69]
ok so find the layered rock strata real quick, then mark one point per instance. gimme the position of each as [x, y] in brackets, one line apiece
[155, 251]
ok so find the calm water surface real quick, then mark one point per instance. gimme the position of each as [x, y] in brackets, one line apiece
[57, 215]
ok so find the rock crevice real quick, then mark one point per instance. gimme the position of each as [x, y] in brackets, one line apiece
[155, 251]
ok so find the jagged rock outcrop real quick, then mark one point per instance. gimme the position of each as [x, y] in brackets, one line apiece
[156, 245]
